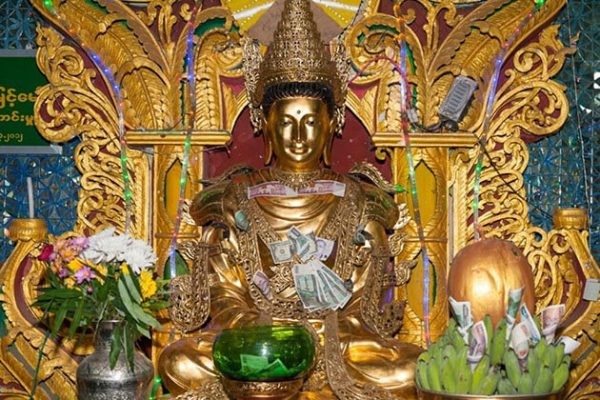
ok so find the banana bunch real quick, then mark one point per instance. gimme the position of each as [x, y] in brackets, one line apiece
[444, 367]
[546, 370]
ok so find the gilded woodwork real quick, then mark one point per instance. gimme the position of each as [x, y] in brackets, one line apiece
[19, 350]
[145, 48]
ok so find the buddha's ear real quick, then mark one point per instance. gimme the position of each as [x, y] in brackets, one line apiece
[268, 144]
[268, 148]
[329, 146]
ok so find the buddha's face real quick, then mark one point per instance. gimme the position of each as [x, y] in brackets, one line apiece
[299, 129]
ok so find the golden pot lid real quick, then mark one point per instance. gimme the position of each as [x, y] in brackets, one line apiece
[259, 18]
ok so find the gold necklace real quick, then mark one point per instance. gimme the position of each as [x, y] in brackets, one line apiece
[296, 180]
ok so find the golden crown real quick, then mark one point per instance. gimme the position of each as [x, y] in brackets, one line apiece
[296, 54]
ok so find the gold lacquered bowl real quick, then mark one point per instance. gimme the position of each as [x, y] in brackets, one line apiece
[429, 395]
[242, 390]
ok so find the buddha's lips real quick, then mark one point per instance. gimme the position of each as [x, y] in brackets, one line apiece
[299, 148]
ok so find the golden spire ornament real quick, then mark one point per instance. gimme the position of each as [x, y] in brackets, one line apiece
[296, 54]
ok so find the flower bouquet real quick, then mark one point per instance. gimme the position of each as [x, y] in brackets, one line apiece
[100, 278]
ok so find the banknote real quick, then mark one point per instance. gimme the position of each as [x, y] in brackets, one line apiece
[270, 189]
[570, 344]
[278, 189]
[306, 283]
[324, 248]
[528, 318]
[520, 338]
[256, 366]
[338, 189]
[276, 368]
[261, 281]
[514, 300]
[252, 364]
[477, 343]
[464, 316]
[318, 287]
[334, 284]
[281, 252]
[551, 317]
[303, 245]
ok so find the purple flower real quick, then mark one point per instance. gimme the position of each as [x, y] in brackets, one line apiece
[81, 242]
[84, 274]
[90, 289]
[63, 273]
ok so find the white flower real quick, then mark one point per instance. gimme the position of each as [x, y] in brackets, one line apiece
[139, 256]
[104, 247]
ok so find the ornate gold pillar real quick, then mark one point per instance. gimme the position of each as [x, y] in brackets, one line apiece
[432, 161]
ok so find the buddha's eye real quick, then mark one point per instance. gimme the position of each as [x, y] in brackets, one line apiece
[310, 122]
[285, 123]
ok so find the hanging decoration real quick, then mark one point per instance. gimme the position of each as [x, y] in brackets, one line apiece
[191, 78]
[405, 106]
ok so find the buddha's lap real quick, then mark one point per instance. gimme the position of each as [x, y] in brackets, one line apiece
[186, 363]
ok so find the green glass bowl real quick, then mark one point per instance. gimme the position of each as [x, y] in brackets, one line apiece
[264, 353]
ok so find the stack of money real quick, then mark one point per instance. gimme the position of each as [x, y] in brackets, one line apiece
[305, 246]
[318, 287]
[256, 366]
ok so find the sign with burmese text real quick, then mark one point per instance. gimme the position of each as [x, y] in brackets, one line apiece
[19, 79]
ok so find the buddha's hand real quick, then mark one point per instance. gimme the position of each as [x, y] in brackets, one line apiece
[188, 308]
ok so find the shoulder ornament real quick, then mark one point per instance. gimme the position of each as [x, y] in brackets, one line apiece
[380, 205]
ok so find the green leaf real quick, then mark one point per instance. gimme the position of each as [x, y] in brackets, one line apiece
[115, 346]
[57, 294]
[128, 337]
[143, 330]
[133, 291]
[157, 305]
[60, 317]
[134, 309]
[181, 267]
[76, 318]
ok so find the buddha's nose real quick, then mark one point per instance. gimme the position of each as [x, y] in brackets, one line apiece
[299, 134]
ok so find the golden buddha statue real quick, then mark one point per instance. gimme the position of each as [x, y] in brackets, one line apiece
[297, 97]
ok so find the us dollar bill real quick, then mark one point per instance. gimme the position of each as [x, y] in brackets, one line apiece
[304, 246]
[281, 252]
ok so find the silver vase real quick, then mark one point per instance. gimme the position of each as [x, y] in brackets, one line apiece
[96, 381]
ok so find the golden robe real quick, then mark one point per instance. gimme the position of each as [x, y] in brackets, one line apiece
[356, 357]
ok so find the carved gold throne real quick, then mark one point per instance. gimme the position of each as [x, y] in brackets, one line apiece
[144, 45]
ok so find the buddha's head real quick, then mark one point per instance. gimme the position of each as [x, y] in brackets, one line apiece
[297, 91]
[297, 123]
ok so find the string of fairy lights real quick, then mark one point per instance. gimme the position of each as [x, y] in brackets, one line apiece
[191, 77]
[405, 105]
